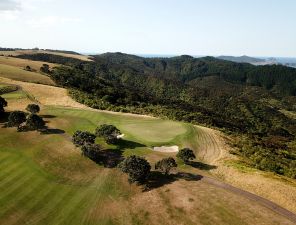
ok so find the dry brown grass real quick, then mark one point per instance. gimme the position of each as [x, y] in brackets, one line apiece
[22, 52]
[45, 94]
[16, 73]
[22, 63]
[213, 149]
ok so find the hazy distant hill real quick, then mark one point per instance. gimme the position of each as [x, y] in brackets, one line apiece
[242, 59]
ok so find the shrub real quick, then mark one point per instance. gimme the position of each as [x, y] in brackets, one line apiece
[136, 167]
[33, 108]
[186, 154]
[16, 118]
[81, 138]
[165, 165]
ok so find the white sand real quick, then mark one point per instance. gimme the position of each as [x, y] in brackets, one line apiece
[174, 148]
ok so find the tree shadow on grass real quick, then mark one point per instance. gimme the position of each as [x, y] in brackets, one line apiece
[124, 144]
[52, 131]
[157, 179]
[48, 116]
[110, 158]
[201, 166]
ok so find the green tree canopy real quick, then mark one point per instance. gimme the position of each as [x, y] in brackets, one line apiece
[33, 108]
[186, 154]
[16, 118]
[108, 132]
[34, 122]
[3, 103]
[165, 165]
[136, 167]
[81, 138]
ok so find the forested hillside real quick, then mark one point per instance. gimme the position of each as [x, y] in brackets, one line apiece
[247, 101]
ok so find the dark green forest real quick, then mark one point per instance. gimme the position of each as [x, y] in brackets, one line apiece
[246, 101]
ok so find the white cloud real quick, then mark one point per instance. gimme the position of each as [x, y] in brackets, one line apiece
[9, 5]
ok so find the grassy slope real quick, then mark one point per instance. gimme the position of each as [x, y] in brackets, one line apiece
[21, 52]
[16, 73]
[22, 63]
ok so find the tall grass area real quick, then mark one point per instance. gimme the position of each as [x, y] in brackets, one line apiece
[19, 74]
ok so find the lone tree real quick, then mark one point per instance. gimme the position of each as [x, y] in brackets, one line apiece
[33, 108]
[28, 68]
[16, 118]
[136, 167]
[34, 122]
[81, 138]
[45, 69]
[3, 103]
[186, 154]
[165, 165]
[108, 132]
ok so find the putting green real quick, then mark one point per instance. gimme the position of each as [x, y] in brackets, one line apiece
[148, 131]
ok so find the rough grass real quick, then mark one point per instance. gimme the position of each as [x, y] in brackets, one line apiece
[22, 63]
[21, 52]
[16, 73]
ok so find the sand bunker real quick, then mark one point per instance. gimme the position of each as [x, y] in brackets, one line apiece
[174, 148]
[120, 136]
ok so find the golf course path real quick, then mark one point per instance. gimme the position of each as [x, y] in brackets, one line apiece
[262, 201]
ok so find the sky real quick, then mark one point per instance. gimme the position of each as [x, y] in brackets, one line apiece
[192, 27]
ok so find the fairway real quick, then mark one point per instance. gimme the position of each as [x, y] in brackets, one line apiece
[51, 194]
[16, 73]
